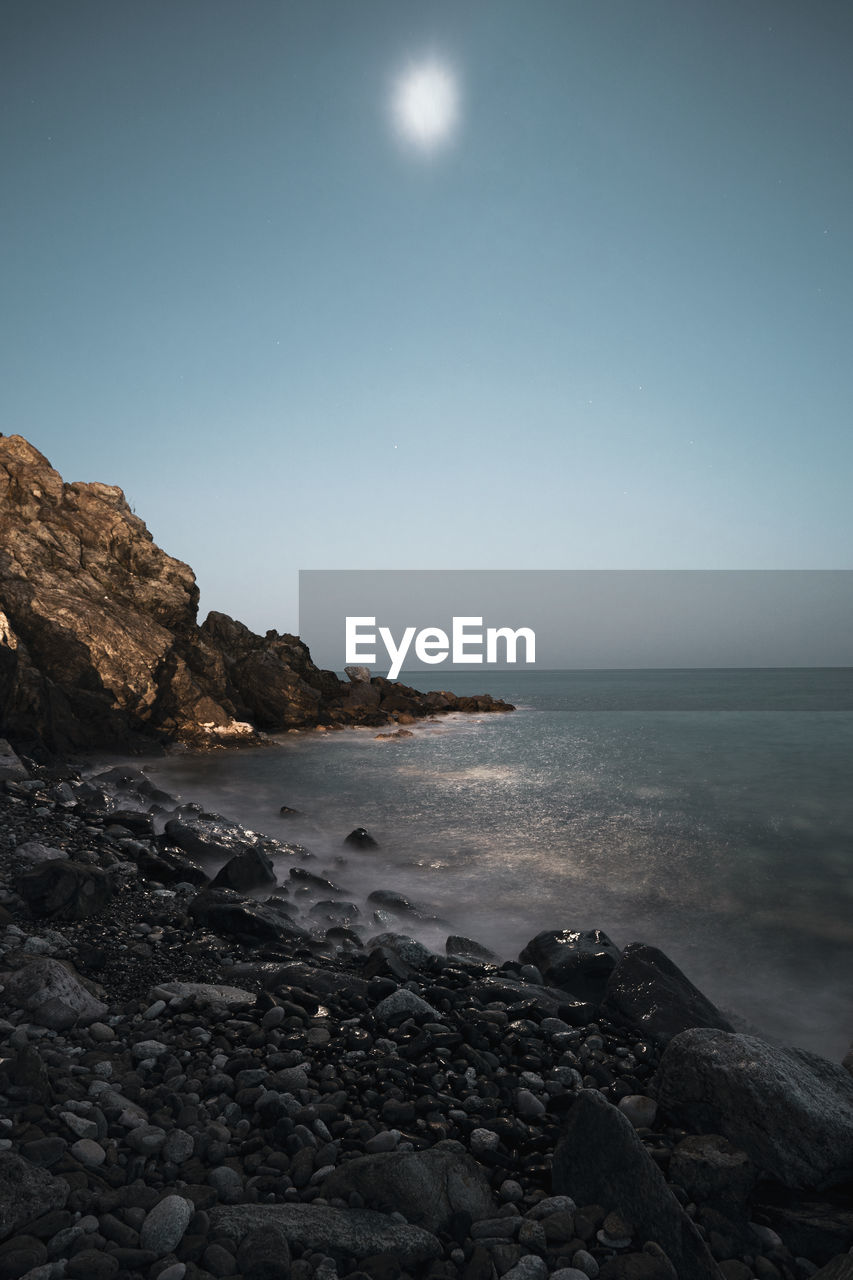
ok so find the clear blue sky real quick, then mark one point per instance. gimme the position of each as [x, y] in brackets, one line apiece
[605, 323]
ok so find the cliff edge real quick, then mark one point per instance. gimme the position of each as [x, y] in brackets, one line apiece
[100, 645]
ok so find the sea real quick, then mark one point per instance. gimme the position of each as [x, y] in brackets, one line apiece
[709, 813]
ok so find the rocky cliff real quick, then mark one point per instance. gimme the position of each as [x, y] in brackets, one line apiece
[100, 644]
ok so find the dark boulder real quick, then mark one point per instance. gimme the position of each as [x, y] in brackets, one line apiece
[650, 994]
[398, 904]
[170, 866]
[815, 1229]
[427, 1187]
[308, 879]
[467, 948]
[361, 838]
[65, 890]
[580, 962]
[790, 1110]
[26, 1192]
[250, 869]
[600, 1160]
[710, 1168]
[139, 824]
[209, 836]
[226, 913]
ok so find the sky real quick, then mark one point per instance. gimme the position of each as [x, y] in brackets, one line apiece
[560, 284]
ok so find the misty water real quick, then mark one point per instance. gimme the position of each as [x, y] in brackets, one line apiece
[709, 813]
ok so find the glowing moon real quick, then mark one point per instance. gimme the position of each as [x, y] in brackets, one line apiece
[425, 105]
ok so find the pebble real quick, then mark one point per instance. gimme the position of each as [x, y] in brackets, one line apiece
[88, 1152]
[165, 1224]
[585, 1263]
[529, 1267]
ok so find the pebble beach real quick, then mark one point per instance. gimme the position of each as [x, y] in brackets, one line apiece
[201, 1082]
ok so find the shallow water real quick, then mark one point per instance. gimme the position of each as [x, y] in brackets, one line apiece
[709, 813]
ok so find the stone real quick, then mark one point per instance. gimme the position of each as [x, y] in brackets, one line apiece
[839, 1268]
[360, 1232]
[639, 1109]
[32, 853]
[710, 1168]
[360, 838]
[165, 1224]
[11, 769]
[358, 675]
[203, 993]
[427, 1187]
[250, 922]
[92, 1264]
[53, 994]
[650, 994]
[250, 869]
[576, 961]
[88, 1152]
[790, 1110]
[530, 1267]
[810, 1228]
[26, 1192]
[467, 948]
[637, 1266]
[403, 1003]
[61, 889]
[600, 1160]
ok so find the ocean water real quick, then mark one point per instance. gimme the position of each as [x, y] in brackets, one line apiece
[707, 812]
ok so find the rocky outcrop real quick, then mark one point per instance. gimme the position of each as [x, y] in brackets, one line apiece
[100, 644]
[648, 991]
[790, 1110]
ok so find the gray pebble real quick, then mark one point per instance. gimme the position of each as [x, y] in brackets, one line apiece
[165, 1224]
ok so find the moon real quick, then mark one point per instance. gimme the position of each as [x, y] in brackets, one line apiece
[425, 105]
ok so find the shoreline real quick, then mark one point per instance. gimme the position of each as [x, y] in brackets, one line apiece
[253, 1121]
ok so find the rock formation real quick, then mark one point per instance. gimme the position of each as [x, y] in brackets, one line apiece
[100, 644]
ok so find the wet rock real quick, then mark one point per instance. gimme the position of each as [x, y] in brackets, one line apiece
[360, 1232]
[403, 1004]
[26, 1192]
[223, 911]
[61, 889]
[600, 1160]
[397, 903]
[649, 993]
[53, 994]
[411, 953]
[790, 1110]
[250, 869]
[579, 962]
[214, 837]
[427, 1187]
[456, 945]
[299, 876]
[360, 838]
[170, 866]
